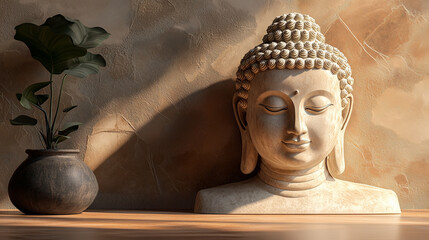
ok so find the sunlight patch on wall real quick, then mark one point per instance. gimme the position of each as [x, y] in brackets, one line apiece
[405, 113]
[107, 136]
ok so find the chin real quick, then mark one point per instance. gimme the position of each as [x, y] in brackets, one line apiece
[299, 161]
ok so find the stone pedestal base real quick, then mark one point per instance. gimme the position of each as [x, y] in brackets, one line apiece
[332, 197]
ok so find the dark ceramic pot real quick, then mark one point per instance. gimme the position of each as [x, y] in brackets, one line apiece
[52, 182]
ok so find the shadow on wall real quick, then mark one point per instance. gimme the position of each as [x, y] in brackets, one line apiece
[189, 146]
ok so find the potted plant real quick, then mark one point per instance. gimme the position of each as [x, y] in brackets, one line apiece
[52, 180]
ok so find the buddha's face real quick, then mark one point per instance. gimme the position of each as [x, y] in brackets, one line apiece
[294, 117]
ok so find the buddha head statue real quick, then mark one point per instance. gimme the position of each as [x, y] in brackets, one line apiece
[293, 98]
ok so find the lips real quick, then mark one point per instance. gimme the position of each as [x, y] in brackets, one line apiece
[297, 146]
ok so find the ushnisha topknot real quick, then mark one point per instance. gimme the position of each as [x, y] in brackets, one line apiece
[293, 41]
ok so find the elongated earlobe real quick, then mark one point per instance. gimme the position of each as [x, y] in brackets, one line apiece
[249, 155]
[336, 163]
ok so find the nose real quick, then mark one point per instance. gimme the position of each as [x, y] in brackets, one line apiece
[297, 124]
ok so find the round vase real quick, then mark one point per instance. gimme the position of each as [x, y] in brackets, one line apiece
[52, 182]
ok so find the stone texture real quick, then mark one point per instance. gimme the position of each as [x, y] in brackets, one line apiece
[167, 88]
[333, 197]
[292, 130]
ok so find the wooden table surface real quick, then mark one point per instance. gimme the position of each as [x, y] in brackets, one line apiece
[411, 224]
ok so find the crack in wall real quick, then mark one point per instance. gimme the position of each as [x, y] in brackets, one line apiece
[357, 40]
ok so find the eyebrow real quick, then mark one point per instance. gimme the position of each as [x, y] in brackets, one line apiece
[278, 93]
[294, 93]
[321, 92]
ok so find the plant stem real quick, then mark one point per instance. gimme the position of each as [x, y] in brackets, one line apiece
[46, 123]
[58, 103]
[49, 130]
[41, 138]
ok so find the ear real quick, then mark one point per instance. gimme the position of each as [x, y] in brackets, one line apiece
[249, 155]
[336, 164]
[239, 112]
[347, 112]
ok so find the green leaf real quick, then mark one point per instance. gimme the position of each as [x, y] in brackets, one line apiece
[60, 138]
[28, 97]
[86, 65]
[68, 109]
[69, 128]
[24, 120]
[81, 35]
[42, 98]
[58, 24]
[53, 50]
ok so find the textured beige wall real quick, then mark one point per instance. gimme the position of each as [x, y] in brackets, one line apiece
[158, 119]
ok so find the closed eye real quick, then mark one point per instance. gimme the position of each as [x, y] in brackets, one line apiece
[316, 109]
[274, 109]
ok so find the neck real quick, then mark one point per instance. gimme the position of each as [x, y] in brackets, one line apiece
[294, 180]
